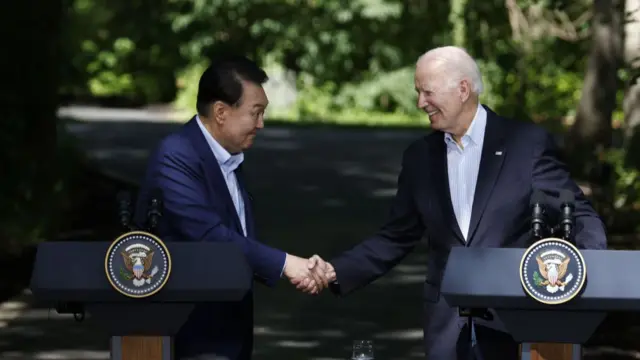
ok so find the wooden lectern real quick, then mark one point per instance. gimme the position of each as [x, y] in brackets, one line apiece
[550, 351]
[488, 278]
[71, 277]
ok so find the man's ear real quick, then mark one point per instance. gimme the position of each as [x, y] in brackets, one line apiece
[219, 111]
[465, 90]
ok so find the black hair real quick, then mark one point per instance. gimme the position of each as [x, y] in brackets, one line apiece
[221, 81]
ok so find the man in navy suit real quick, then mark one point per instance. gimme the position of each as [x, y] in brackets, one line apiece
[468, 183]
[199, 174]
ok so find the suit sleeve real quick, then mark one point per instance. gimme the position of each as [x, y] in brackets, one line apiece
[377, 255]
[551, 175]
[194, 219]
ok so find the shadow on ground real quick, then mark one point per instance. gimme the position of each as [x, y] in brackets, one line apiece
[316, 190]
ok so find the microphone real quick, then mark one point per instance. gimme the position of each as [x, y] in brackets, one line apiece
[155, 209]
[124, 209]
[567, 205]
[537, 214]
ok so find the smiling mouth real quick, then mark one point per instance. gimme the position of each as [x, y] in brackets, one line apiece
[431, 113]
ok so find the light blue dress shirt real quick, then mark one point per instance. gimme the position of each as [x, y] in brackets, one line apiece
[228, 165]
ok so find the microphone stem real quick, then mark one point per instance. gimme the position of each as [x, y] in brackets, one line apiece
[124, 221]
[567, 232]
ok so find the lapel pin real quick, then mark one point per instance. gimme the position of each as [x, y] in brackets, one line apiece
[499, 153]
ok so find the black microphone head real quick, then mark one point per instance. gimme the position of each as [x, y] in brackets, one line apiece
[155, 208]
[124, 197]
[124, 208]
[567, 197]
[537, 197]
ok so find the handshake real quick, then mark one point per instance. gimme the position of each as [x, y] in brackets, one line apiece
[309, 275]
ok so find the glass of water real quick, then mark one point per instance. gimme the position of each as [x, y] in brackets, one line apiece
[362, 350]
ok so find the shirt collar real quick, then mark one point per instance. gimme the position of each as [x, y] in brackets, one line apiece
[226, 161]
[475, 132]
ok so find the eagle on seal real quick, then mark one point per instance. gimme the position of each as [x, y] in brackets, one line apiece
[138, 262]
[552, 272]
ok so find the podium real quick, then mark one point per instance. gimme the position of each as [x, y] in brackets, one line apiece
[70, 276]
[489, 278]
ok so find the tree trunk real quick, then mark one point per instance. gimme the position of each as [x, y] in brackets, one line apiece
[457, 21]
[592, 131]
[632, 33]
[631, 103]
[631, 107]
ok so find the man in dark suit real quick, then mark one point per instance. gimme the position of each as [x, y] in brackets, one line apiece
[198, 172]
[468, 183]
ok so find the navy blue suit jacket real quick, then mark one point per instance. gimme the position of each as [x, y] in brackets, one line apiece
[198, 207]
[500, 215]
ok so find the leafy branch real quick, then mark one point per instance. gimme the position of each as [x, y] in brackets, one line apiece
[537, 279]
[124, 275]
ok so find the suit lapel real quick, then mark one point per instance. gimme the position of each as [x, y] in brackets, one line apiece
[212, 169]
[492, 158]
[441, 188]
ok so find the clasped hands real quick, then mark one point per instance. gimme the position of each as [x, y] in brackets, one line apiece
[309, 275]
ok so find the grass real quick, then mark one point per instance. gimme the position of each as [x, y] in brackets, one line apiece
[356, 118]
[351, 118]
[361, 119]
[381, 120]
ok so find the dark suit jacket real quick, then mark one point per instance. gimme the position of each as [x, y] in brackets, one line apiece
[198, 207]
[500, 214]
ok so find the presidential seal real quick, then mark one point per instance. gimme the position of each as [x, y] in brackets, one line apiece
[138, 264]
[552, 271]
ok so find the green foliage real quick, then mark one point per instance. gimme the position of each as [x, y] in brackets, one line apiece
[187, 83]
[318, 105]
[107, 80]
[121, 48]
[33, 204]
[387, 92]
[352, 58]
[537, 279]
[554, 93]
[620, 204]
[627, 183]
[124, 275]
[353, 62]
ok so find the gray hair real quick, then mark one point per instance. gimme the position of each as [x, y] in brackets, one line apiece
[459, 64]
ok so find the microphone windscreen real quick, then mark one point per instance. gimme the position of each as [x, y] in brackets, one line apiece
[538, 197]
[567, 197]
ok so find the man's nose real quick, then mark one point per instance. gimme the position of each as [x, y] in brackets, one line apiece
[260, 123]
[422, 101]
